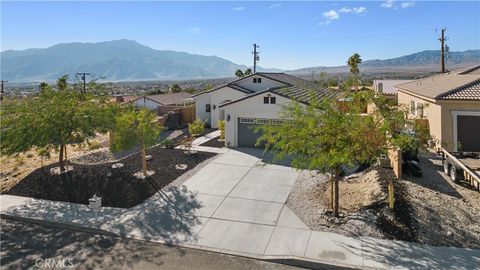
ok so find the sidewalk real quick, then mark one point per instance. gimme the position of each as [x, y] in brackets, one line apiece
[236, 205]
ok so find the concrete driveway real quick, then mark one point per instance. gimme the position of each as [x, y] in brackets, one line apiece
[244, 200]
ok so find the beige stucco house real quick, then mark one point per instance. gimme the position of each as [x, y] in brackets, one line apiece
[451, 104]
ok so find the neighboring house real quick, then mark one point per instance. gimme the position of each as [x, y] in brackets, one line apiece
[451, 104]
[387, 87]
[251, 101]
[120, 99]
[152, 102]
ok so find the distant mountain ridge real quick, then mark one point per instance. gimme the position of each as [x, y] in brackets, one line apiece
[118, 60]
[127, 60]
[425, 61]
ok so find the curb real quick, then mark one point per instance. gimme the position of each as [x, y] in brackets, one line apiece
[287, 260]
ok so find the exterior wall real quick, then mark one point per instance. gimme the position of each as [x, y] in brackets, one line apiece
[447, 119]
[200, 107]
[431, 111]
[439, 115]
[251, 107]
[216, 98]
[146, 103]
[266, 83]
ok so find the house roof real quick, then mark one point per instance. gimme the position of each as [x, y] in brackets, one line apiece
[301, 93]
[460, 84]
[280, 77]
[167, 99]
[388, 86]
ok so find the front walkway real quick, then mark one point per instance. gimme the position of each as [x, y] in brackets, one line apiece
[236, 204]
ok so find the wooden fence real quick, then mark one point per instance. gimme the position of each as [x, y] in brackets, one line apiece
[187, 113]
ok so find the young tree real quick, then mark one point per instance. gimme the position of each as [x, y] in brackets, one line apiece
[239, 73]
[136, 128]
[175, 88]
[322, 136]
[53, 120]
[353, 62]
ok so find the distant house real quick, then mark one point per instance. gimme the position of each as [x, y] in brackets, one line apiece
[120, 99]
[451, 104]
[251, 101]
[152, 102]
[387, 87]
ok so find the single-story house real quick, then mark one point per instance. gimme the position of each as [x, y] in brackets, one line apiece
[152, 102]
[451, 104]
[387, 87]
[253, 100]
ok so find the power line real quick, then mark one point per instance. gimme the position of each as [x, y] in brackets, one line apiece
[83, 75]
[256, 57]
[1, 93]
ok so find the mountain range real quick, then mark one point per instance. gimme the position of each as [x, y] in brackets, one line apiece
[127, 60]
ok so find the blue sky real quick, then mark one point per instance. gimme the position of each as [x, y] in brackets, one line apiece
[290, 34]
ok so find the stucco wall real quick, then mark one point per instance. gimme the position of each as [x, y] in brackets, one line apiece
[252, 107]
[146, 103]
[219, 97]
[200, 107]
[266, 83]
[439, 115]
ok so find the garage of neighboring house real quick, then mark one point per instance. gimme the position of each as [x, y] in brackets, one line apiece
[450, 102]
[466, 130]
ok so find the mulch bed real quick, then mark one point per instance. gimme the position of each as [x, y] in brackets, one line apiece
[117, 187]
[215, 142]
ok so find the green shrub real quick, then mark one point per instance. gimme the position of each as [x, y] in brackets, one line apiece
[221, 127]
[168, 144]
[196, 128]
[94, 144]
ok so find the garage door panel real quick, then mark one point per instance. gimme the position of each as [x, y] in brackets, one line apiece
[247, 134]
[468, 132]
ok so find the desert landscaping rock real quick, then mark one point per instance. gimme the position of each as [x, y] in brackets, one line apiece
[117, 165]
[141, 175]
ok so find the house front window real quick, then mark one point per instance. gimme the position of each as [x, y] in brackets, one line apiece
[208, 108]
[269, 100]
[257, 80]
[273, 100]
[266, 100]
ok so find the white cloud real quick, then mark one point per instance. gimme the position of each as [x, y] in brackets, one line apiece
[240, 8]
[388, 4]
[331, 15]
[407, 4]
[356, 10]
[194, 30]
[324, 23]
[274, 6]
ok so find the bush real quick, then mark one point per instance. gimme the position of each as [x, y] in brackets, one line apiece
[196, 128]
[94, 144]
[221, 127]
[168, 144]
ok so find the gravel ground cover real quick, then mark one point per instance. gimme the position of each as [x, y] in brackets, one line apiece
[117, 186]
[442, 213]
[215, 142]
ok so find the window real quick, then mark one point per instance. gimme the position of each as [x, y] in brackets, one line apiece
[259, 80]
[254, 80]
[261, 121]
[273, 100]
[419, 110]
[208, 108]
[278, 121]
[247, 120]
[412, 107]
[265, 100]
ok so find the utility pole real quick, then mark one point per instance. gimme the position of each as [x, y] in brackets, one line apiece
[256, 57]
[83, 75]
[1, 94]
[442, 40]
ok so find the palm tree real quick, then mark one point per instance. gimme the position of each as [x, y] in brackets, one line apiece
[353, 62]
[248, 72]
[239, 73]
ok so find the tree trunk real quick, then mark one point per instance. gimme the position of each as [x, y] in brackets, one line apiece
[65, 158]
[337, 198]
[144, 157]
[331, 192]
[60, 158]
